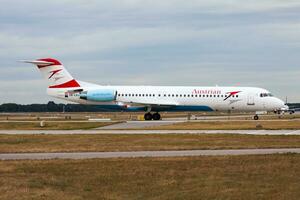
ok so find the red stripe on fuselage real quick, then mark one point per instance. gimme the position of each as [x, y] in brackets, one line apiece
[233, 93]
[72, 83]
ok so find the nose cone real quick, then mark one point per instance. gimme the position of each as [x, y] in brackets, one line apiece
[280, 105]
[286, 107]
[274, 104]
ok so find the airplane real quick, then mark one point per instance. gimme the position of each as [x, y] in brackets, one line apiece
[155, 99]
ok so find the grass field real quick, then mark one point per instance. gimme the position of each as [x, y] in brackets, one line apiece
[232, 125]
[73, 143]
[64, 125]
[263, 177]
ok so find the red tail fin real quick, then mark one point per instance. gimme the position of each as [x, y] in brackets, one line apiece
[55, 73]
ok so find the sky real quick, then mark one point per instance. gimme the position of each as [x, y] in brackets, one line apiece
[151, 42]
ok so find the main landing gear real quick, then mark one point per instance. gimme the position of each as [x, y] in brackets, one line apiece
[255, 117]
[148, 116]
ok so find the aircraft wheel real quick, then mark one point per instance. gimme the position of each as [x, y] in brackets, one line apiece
[148, 116]
[156, 116]
[256, 117]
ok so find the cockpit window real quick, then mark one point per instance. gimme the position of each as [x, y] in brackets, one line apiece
[266, 95]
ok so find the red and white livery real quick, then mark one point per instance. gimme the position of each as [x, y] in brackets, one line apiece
[153, 99]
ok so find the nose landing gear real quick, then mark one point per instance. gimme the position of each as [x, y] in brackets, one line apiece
[255, 117]
[148, 116]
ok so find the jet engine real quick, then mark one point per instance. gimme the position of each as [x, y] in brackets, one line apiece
[101, 95]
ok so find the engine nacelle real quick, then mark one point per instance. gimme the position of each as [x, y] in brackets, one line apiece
[101, 95]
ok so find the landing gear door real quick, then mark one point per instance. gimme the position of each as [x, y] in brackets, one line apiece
[250, 100]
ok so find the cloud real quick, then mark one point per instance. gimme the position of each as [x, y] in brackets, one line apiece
[151, 42]
[97, 40]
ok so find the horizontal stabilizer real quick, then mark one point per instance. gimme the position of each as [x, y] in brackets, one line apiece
[38, 62]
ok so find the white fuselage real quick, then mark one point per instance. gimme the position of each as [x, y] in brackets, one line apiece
[181, 98]
[62, 85]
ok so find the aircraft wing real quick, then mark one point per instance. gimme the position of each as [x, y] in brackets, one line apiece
[150, 103]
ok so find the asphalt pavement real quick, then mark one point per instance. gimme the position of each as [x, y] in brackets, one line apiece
[133, 132]
[135, 154]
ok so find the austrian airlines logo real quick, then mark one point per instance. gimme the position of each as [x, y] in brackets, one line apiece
[54, 72]
[231, 94]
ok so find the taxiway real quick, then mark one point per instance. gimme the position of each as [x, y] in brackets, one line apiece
[133, 132]
[134, 154]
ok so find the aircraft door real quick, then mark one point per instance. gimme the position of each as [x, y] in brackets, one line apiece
[250, 100]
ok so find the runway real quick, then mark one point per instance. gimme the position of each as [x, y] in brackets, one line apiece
[133, 132]
[135, 154]
[159, 124]
[138, 124]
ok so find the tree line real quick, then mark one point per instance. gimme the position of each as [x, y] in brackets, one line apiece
[50, 107]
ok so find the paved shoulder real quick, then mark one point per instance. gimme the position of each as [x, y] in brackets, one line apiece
[137, 124]
[88, 155]
[59, 132]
